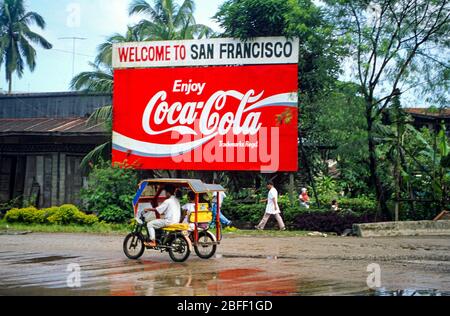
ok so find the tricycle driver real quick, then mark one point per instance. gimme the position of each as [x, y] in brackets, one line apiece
[171, 210]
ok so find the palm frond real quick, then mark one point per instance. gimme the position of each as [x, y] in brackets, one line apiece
[97, 80]
[101, 115]
[16, 43]
[198, 31]
[100, 152]
[29, 52]
[38, 39]
[33, 17]
[185, 14]
[142, 7]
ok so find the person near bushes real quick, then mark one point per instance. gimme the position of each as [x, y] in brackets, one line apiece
[305, 199]
[272, 208]
[335, 206]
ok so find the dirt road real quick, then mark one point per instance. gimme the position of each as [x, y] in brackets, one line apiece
[37, 264]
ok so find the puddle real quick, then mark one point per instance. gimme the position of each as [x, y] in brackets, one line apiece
[14, 233]
[44, 259]
[233, 256]
[408, 292]
[161, 277]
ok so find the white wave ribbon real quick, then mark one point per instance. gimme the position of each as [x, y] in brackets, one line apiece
[145, 149]
[283, 99]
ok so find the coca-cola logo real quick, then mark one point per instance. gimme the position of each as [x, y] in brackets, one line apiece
[209, 113]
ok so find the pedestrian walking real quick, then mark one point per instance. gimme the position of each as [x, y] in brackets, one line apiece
[272, 208]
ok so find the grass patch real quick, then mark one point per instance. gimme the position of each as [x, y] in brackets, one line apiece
[100, 228]
[263, 233]
[123, 229]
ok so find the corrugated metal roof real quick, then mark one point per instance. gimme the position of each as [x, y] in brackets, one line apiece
[438, 113]
[48, 126]
[52, 105]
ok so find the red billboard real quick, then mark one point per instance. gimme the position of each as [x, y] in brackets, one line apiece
[236, 117]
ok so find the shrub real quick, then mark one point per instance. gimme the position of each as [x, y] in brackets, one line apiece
[359, 205]
[361, 210]
[64, 215]
[114, 214]
[110, 192]
[329, 221]
[13, 216]
[243, 212]
[25, 215]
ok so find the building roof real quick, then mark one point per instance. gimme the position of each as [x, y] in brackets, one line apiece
[49, 126]
[429, 113]
[52, 105]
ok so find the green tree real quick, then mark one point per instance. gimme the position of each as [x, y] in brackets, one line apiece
[437, 152]
[16, 38]
[321, 53]
[394, 44]
[168, 20]
[327, 126]
[100, 79]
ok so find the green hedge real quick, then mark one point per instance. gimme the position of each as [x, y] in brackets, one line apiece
[352, 211]
[63, 215]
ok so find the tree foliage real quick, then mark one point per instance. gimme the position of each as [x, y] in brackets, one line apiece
[17, 38]
[110, 192]
[392, 42]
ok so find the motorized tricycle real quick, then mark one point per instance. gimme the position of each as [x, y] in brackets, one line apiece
[179, 239]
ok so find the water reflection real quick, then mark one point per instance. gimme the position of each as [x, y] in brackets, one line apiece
[156, 279]
[408, 292]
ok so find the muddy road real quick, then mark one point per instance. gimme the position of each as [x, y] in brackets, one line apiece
[42, 264]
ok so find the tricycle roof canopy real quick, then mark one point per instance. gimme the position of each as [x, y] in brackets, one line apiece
[197, 186]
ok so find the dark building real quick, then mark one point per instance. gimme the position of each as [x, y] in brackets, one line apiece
[430, 118]
[43, 138]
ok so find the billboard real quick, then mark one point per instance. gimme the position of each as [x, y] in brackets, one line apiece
[218, 104]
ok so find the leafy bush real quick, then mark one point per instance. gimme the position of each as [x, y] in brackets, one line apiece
[329, 221]
[362, 210]
[26, 215]
[14, 203]
[359, 205]
[236, 211]
[110, 192]
[64, 215]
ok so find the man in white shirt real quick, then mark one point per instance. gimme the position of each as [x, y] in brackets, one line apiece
[171, 210]
[272, 208]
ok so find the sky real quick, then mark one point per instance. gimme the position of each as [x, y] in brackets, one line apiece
[93, 20]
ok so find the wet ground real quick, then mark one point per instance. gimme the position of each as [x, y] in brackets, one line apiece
[42, 264]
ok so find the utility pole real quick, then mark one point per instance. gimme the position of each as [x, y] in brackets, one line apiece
[74, 40]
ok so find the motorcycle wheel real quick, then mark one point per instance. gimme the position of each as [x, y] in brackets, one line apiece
[133, 246]
[179, 249]
[204, 249]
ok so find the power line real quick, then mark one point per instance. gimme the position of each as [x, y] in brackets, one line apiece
[71, 52]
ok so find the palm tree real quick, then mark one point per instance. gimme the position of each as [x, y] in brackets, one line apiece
[167, 20]
[16, 38]
[100, 80]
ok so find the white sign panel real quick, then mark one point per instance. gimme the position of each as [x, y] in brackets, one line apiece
[209, 52]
